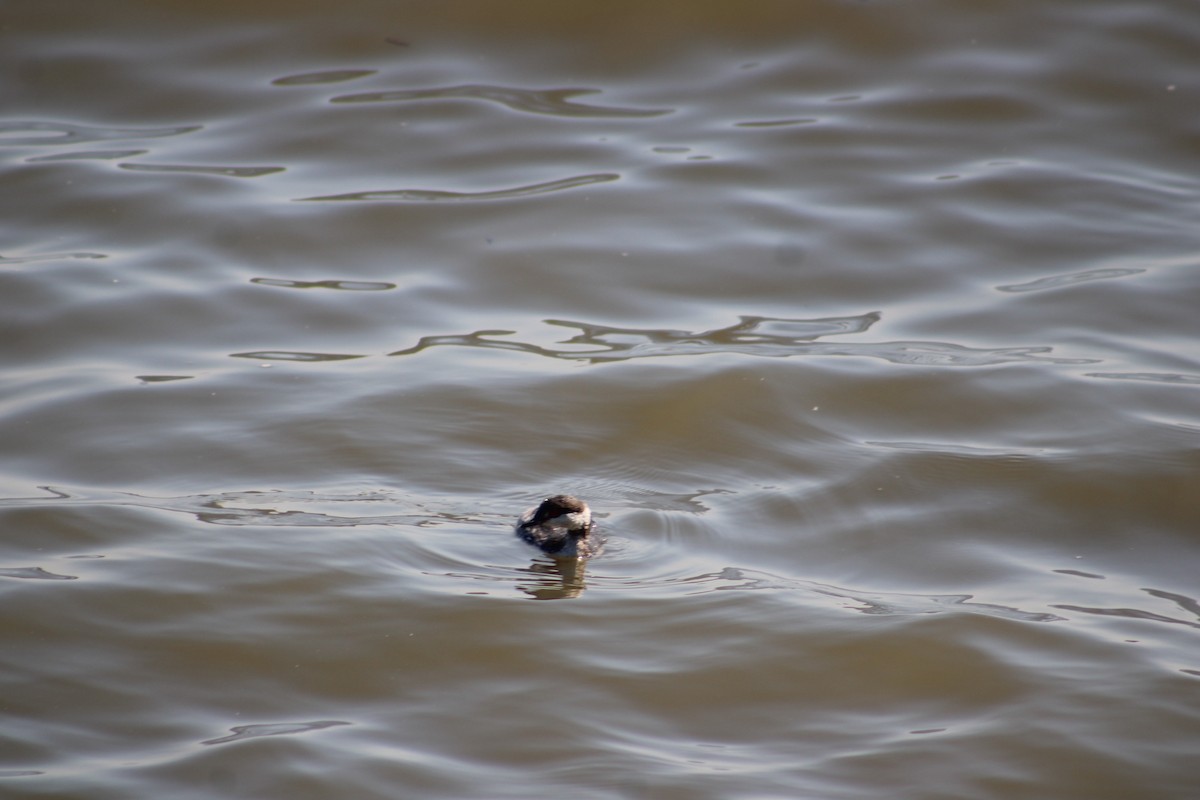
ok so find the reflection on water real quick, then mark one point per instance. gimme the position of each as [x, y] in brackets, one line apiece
[326, 76]
[554, 102]
[290, 355]
[35, 573]
[555, 578]
[256, 507]
[1152, 377]
[435, 195]
[226, 172]
[1187, 604]
[38, 133]
[243, 732]
[884, 603]
[1058, 281]
[756, 336]
[347, 286]
[48, 257]
[90, 155]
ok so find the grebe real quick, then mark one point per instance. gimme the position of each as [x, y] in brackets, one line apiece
[561, 526]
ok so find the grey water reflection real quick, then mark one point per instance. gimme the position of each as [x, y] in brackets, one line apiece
[1187, 604]
[255, 507]
[295, 355]
[256, 731]
[48, 257]
[883, 603]
[1152, 377]
[432, 195]
[34, 573]
[327, 76]
[554, 102]
[58, 133]
[752, 335]
[89, 155]
[1059, 281]
[554, 578]
[348, 286]
[195, 169]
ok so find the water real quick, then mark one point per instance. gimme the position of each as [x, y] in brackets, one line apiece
[868, 330]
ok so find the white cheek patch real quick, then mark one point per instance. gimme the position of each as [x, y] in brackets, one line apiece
[578, 519]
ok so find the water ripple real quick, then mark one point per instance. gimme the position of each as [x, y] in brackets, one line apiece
[867, 602]
[348, 286]
[776, 123]
[1187, 604]
[1153, 377]
[90, 155]
[33, 573]
[241, 732]
[57, 133]
[328, 76]
[951, 448]
[255, 507]
[430, 195]
[1058, 281]
[755, 336]
[47, 257]
[226, 172]
[554, 102]
[294, 355]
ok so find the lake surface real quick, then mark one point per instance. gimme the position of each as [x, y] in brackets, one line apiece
[868, 329]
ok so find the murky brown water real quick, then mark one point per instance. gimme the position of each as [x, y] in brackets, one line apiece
[868, 329]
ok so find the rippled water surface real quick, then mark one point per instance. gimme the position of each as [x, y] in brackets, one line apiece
[869, 330]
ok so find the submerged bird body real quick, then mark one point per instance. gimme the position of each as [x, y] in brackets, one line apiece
[561, 526]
